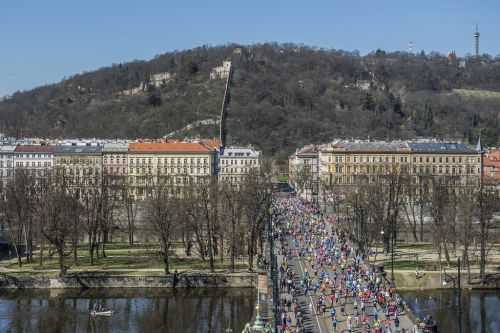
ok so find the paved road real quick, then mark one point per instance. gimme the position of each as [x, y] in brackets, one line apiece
[315, 319]
[310, 321]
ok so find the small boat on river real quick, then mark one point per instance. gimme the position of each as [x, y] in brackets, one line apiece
[106, 313]
[99, 310]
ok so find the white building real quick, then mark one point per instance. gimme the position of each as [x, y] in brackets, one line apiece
[37, 159]
[6, 164]
[221, 72]
[303, 171]
[236, 162]
[160, 79]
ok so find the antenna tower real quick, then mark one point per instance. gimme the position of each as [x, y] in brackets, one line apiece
[476, 37]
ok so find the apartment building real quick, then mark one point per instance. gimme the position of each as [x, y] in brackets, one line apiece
[6, 164]
[235, 163]
[303, 171]
[348, 162]
[115, 160]
[179, 162]
[115, 167]
[81, 166]
[491, 166]
[38, 160]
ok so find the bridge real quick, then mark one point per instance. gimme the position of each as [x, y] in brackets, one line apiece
[299, 296]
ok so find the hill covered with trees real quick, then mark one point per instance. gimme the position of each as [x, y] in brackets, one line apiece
[282, 96]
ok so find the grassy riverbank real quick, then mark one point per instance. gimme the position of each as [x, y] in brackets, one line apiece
[424, 257]
[121, 259]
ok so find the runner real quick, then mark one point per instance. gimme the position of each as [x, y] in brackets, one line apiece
[331, 273]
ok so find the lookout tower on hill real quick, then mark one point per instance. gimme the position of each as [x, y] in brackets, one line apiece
[476, 37]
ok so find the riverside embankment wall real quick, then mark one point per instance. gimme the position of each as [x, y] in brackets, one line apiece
[406, 280]
[195, 280]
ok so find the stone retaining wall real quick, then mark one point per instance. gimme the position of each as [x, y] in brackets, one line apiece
[237, 280]
[406, 280]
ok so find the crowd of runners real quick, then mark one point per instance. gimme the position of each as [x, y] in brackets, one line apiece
[325, 280]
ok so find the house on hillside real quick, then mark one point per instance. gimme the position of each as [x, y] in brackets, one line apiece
[221, 72]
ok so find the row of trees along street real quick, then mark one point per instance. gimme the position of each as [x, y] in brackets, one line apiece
[458, 220]
[212, 220]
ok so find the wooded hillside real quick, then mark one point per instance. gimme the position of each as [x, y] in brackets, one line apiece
[282, 96]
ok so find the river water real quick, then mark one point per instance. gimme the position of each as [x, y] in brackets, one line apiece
[480, 310]
[136, 310]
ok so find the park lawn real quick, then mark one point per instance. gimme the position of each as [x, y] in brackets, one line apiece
[120, 256]
[415, 246]
[478, 93]
[412, 265]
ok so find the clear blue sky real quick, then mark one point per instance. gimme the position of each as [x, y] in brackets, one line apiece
[42, 41]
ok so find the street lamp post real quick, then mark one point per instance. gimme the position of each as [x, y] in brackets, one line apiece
[459, 296]
[382, 241]
[274, 270]
[393, 243]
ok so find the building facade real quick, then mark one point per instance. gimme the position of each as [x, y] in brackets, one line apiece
[221, 72]
[235, 163]
[37, 160]
[491, 166]
[349, 163]
[81, 167]
[115, 167]
[303, 171]
[115, 160]
[179, 162]
[6, 164]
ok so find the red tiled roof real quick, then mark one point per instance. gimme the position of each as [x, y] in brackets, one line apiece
[211, 143]
[493, 155]
[34, 149]
[168, 147]
[491, 160]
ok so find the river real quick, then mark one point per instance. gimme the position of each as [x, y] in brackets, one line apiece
[480, 310]
[136, 310]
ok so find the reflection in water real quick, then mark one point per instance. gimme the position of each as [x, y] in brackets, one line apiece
[136, 310]
[478, 311]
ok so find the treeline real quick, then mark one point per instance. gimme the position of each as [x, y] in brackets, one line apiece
[213, 220]
[282, 96]
[459, 221]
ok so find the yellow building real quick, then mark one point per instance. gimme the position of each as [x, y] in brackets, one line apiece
[179, 162]
[81, 167]
[348, 163]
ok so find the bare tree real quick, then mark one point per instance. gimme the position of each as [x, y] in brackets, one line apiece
[441, 201]
[14, 227]
[52, 211]
[91, 215]
[488, 205]
[109, 200]
[257, 199]
[303, 179]
[416, 202]
[231, 214]
[74, 210]
[193, 229]
[18, 212]
[163, 213]
[208, 200]
[130, 204]
[467, 208]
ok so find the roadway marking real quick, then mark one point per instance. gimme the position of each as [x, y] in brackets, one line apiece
[312, 302]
